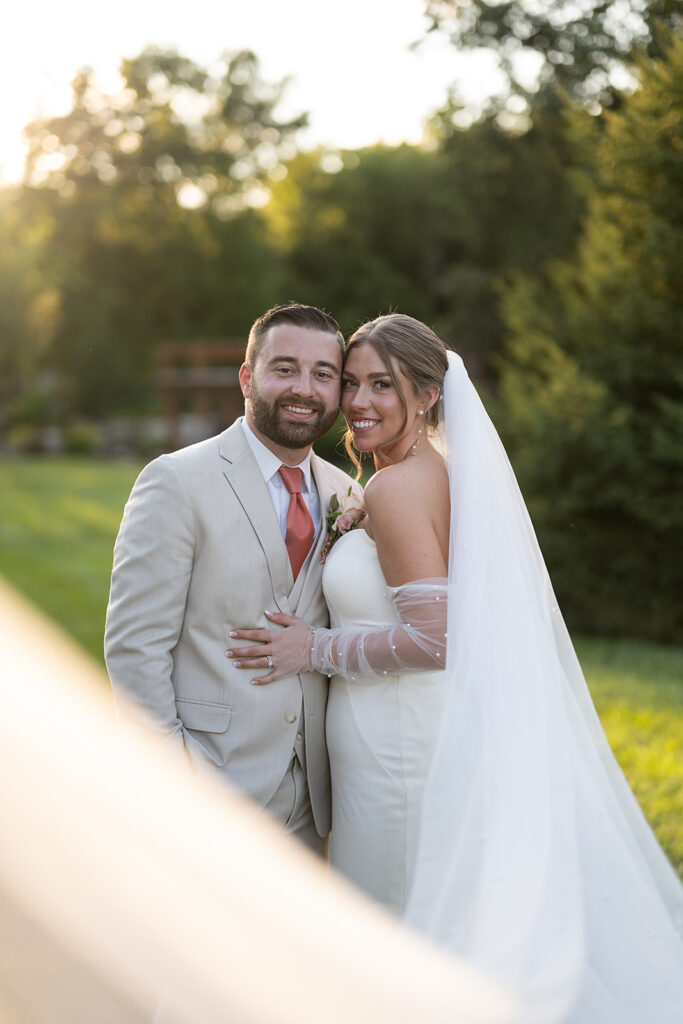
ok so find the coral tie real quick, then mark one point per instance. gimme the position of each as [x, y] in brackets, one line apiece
[300, 529]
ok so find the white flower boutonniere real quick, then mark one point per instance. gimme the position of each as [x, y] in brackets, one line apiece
[341, 517]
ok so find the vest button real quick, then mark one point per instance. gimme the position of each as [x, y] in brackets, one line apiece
[290, 718]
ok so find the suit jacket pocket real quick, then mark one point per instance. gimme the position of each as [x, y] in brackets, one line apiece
[208, 724]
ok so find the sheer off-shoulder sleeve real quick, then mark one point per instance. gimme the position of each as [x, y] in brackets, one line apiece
[417, 643]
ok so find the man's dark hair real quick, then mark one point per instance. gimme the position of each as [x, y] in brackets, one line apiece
[291, 313]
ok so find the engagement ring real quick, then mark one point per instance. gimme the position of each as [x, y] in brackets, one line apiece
[269, 661]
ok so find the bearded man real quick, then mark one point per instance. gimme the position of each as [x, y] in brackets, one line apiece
[214, 535]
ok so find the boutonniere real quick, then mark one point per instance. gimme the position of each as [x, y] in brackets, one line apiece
[342, 516]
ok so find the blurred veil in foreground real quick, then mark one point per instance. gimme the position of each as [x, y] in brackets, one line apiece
[134, 889]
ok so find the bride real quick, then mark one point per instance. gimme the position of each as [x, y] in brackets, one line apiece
[473, 789]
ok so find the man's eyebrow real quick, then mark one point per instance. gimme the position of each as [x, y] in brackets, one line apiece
[282, 359]
[295, 362]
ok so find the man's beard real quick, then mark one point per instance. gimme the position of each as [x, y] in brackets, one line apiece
[286, 433]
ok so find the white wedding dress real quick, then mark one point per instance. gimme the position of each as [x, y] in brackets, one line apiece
[381, 733]
[483, 803]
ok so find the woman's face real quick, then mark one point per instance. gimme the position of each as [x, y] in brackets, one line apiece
[372, 405]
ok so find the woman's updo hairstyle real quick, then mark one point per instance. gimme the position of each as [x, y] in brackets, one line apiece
[420, 354]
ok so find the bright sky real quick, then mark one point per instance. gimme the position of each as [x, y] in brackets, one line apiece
[349, 59]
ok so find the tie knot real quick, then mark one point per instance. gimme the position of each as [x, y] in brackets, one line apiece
[292, 477]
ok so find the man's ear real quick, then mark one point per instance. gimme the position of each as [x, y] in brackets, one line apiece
[245, 379]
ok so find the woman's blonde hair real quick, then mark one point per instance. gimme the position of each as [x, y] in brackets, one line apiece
[420, 354]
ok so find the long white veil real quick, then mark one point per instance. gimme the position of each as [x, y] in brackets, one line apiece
[535, 860]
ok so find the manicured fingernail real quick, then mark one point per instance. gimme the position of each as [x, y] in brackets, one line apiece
[237, 664]
[232, 633]
[254, 682]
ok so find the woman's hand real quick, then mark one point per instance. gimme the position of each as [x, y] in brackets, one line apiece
[283, 651]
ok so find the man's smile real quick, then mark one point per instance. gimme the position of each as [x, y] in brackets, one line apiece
[298, 411]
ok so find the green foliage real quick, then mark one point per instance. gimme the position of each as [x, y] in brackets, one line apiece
[366, 238]
[429, 232]
[142, 202]
[576, 47]
[81, 438]
[513, 206]
[173, 125]
[121, 261]
[29, 304]
[592, 383]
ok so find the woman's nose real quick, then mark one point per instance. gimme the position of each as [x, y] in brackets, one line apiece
[359, 399]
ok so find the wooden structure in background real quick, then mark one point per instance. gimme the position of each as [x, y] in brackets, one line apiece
[200, 376]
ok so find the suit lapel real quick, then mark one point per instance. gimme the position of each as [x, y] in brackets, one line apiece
[326, 484]
[244, 476]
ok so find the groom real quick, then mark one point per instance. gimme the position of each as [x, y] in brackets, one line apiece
[211, 537]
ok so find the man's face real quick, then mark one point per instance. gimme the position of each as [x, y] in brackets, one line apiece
[293, 391]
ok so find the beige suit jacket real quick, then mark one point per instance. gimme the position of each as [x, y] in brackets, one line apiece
[200, 552]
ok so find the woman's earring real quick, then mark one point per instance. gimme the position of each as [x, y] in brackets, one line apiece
[413, 447]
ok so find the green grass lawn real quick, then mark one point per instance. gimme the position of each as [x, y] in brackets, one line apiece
[638, 691]
[58, 523]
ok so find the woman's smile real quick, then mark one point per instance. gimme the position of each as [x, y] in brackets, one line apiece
[359, 425]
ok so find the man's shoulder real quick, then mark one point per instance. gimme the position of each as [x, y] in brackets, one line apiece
[193, 453]
[192, 456]
[200, 460]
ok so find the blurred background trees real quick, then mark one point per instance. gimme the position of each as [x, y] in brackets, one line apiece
[546, 49]
[540, 234]
[146, 202]
[593, 380]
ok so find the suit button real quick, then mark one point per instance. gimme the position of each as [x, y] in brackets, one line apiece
[299, 736]
[290, 718]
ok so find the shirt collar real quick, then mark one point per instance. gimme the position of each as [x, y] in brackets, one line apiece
[269, 463]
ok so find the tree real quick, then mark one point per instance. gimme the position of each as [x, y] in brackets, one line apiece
[174, 129]
[575, 47]
[513, 206]
[363, 232]
[429, 232]
[592, 380]
[150, 194]
[29, 307]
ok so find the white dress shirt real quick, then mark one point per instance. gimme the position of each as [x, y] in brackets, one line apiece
[269, 464]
